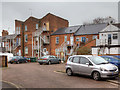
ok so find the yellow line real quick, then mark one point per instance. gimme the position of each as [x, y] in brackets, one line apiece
[59, 72]
[12, 84]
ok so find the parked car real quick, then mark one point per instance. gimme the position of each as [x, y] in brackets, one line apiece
[18, 59]
[49, 59]
[94, 66]
[113, 60]
[117, 56]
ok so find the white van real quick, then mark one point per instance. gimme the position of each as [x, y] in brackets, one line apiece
[9, 55]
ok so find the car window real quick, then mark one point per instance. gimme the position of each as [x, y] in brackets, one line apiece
[76, 60]
[83, 60]
[51, 57]
[70, 59]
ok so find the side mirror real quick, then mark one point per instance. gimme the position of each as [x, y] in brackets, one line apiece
[87, 64]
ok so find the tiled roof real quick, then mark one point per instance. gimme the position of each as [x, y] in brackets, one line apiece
[90, 29]
[66, 30]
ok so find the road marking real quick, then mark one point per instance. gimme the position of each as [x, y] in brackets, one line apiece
[12, 84]
[114, 84]
[59, 72]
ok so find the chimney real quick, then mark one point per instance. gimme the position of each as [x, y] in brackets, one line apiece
[4, 33]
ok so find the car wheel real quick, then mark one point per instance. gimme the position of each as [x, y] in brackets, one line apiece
[59, 62]
[40, 63]
[11, 62]
[17, 62]
[96, 76]
[49, 63]
[69, 72]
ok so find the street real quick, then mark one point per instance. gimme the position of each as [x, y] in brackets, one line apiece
[33, 75]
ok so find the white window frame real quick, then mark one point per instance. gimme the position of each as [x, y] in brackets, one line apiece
[65, 38]
[26, 50]
[77, 39]
[115, 34]
[25, 27]
[36, 26]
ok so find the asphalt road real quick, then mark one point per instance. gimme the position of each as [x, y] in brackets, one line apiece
[33, 75]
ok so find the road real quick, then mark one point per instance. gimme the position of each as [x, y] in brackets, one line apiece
[33, 75]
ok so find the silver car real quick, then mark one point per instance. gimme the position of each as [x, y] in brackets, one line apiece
[94, 66]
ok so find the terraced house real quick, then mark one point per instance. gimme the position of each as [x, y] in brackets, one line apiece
[66, 41]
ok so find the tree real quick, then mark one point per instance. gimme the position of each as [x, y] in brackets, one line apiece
[101, 20]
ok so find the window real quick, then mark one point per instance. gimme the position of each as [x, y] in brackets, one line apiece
[94, 37]
[44, 49]
[26, 50]
[57, 40]
[25, 27]
[70, 59]
[36, 26]
[26, 38]
[76, 60]
[65, 38]
[77, 38]
[83, 60]
[115, 36]
[56, 51]
[16, 28]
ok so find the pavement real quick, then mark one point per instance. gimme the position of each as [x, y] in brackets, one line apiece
[33, 75]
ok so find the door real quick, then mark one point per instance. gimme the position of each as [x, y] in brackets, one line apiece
[75, 64]
[83, 39]
[109, 38]
[84, 68]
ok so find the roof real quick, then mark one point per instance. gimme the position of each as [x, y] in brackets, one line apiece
[11, 36]
[55, 16]
[66, 30]
[90, 29]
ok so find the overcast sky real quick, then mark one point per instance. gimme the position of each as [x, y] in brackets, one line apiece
[75, 12]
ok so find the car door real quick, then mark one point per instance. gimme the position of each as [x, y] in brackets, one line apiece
[52, 59]
[84, 67]
[75, 64]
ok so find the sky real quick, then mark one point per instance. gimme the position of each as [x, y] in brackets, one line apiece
[75, 12]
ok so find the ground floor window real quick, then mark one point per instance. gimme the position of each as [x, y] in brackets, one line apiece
[26, 50]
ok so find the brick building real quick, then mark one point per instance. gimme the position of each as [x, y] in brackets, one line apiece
[28, 34]
[66, 41]
[7, 41]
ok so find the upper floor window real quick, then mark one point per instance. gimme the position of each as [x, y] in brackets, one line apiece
[77, 38]
[26, 38]
[57, 40]
[25, 27]
[19, 28]
[26, 50]
[36, 26]
[65, 38]
[16, 28]
[115, 36]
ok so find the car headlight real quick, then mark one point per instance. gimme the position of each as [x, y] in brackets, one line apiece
[103, 69]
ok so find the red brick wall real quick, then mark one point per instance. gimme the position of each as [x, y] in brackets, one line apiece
[61, 40]
[90, 37]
